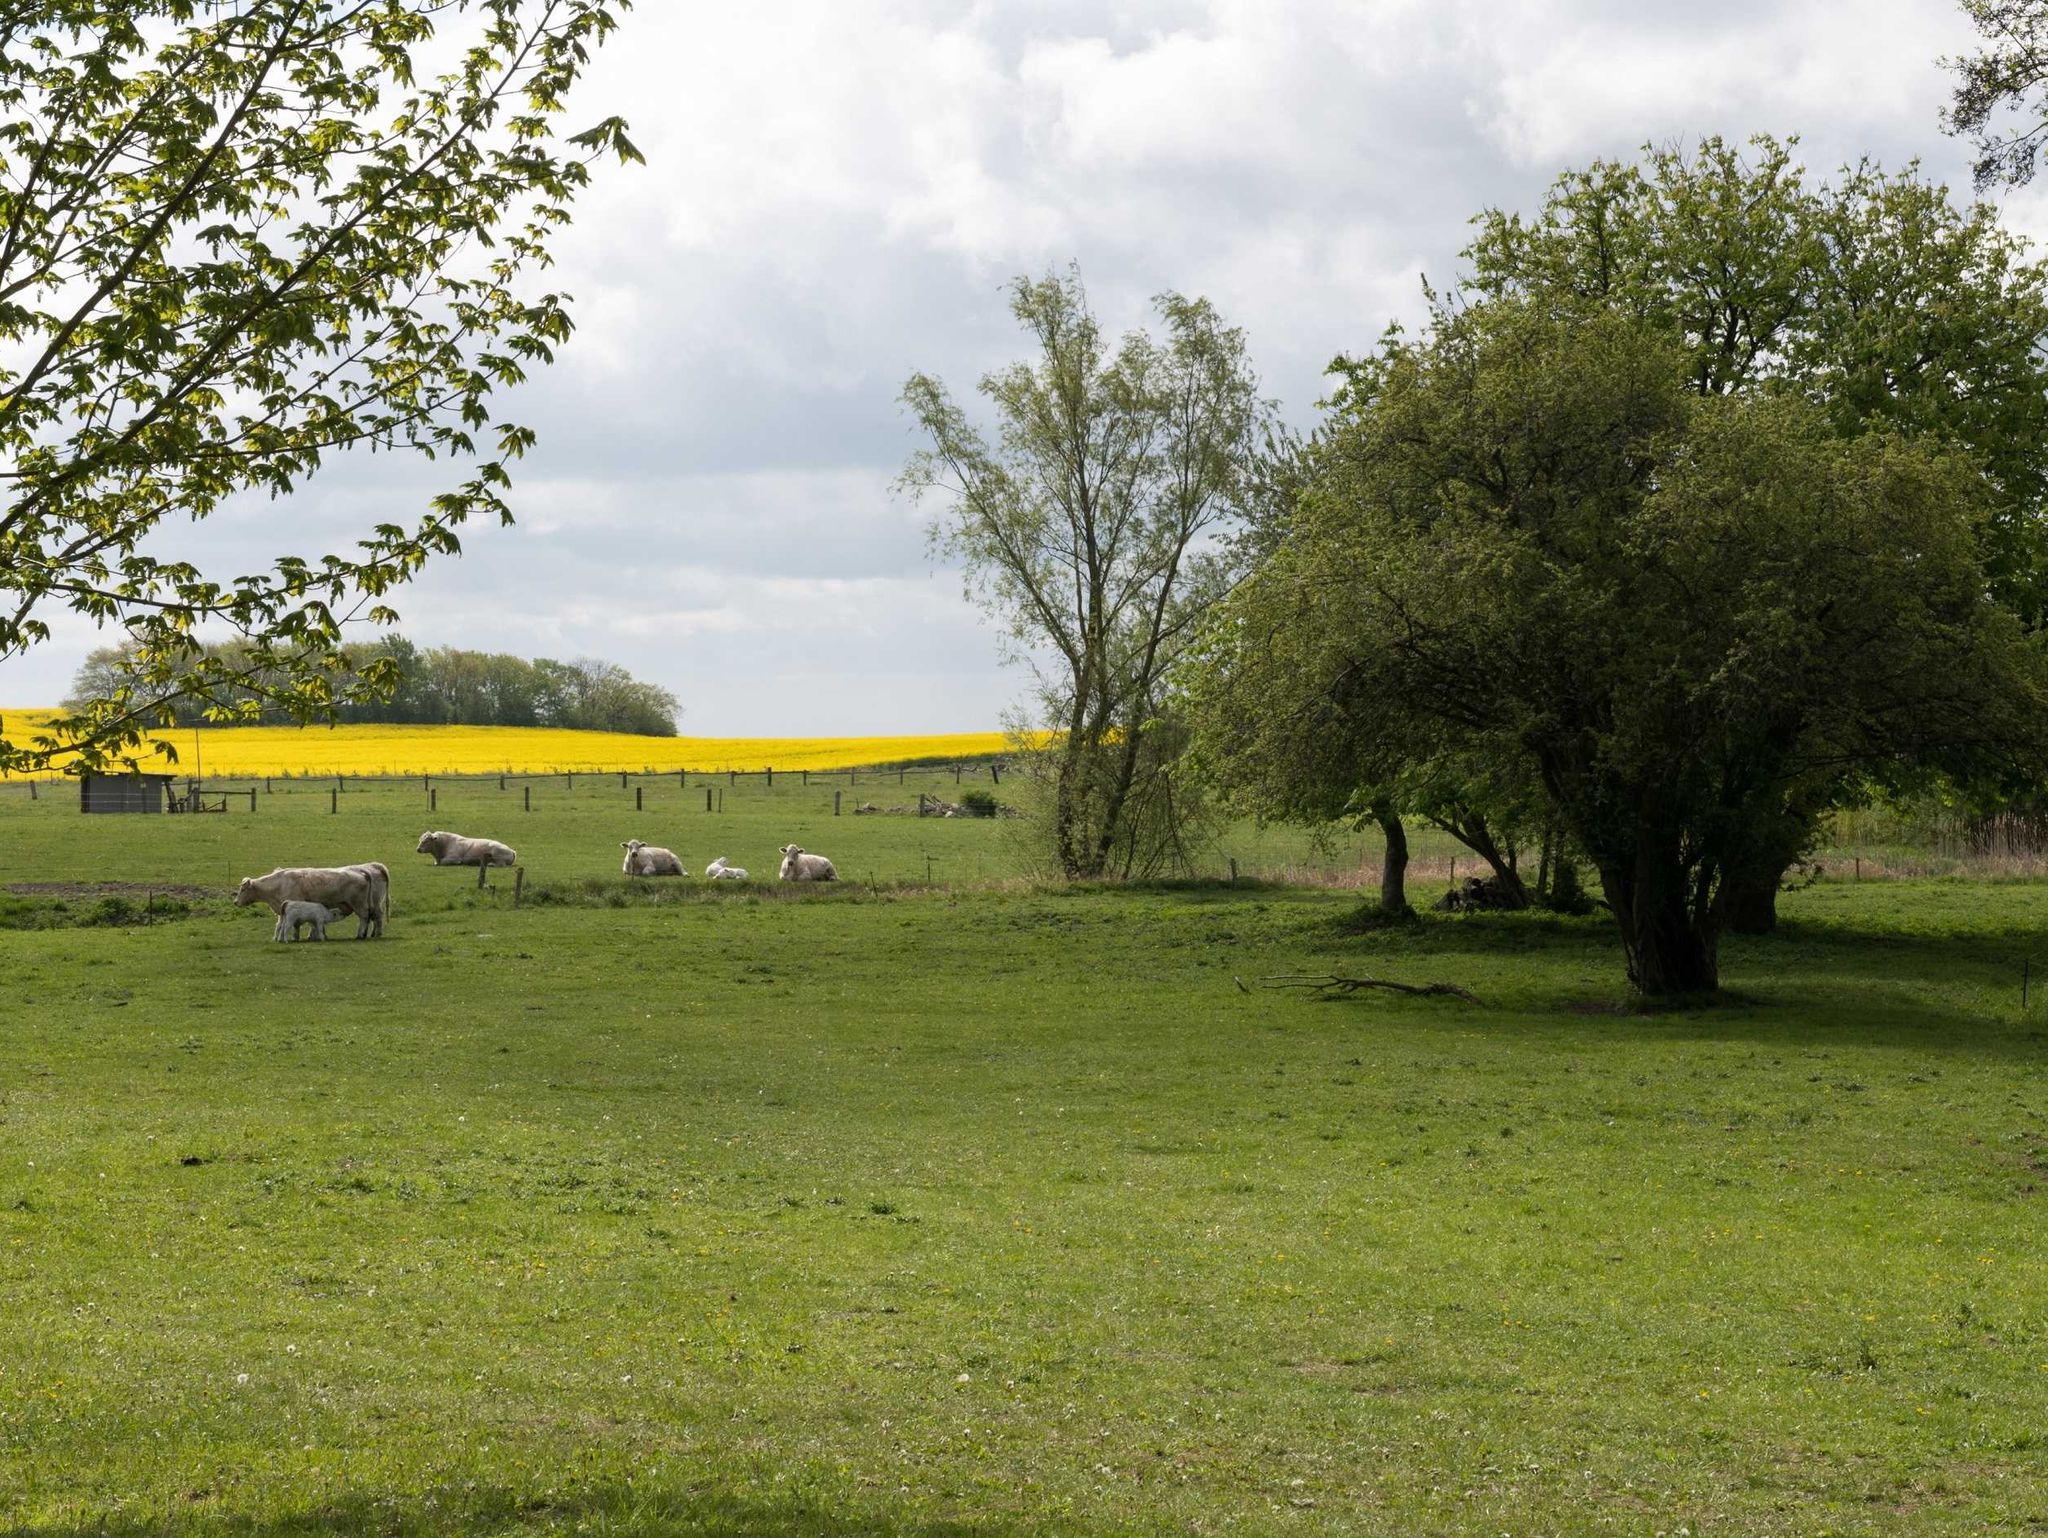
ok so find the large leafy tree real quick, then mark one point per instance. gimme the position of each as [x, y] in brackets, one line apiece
[1090, 527]
[1873, 296]
[1533, 544]
[236, 242]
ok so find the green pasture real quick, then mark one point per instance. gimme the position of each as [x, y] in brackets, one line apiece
[570, 829]
[994, 1210]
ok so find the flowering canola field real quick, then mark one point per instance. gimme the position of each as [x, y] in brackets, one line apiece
[229, 751]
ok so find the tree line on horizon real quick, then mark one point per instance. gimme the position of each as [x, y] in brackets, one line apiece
[434, 686]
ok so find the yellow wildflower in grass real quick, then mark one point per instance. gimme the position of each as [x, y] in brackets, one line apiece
[378, 750]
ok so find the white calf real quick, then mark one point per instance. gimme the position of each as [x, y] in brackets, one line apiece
[294, 916]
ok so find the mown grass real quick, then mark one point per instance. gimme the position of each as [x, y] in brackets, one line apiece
[1006, 1211]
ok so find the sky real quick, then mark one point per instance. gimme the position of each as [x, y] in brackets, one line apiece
[836, 193]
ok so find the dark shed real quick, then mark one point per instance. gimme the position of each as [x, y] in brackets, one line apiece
[122, 792]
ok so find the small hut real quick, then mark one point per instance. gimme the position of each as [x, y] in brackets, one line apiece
[122, 792]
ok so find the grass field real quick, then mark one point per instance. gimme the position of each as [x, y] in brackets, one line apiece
[991, 1208]
[570, 828]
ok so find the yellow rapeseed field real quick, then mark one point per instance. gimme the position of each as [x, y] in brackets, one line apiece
[371, 750]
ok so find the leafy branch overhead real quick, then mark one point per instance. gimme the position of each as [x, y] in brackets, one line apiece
[236, 243]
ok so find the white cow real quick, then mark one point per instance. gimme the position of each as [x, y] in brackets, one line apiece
[647, 860]
[718, 870]
[454, 849]
[303, 915]
[349, 889]
[798, 866]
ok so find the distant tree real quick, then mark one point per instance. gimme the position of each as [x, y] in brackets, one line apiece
[445, 686]
[1531, 544]
[236, 241]
[1089, 528]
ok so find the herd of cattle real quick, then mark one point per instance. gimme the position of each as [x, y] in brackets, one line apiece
[310, 897]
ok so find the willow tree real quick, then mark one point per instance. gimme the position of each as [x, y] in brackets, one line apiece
[1532, 544]
[236, 242]
[1089, 527]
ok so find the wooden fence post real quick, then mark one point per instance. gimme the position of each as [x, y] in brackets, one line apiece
[835, 801]
[622, 781]
[636, 797]
[707, 798]
[433, 800]
[771, 779]
[334, 801]
[518, 882]
[721, 800]
[526, 798]
[501, 782]
[481, 872]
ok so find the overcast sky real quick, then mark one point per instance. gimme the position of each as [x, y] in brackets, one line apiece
[836, 193]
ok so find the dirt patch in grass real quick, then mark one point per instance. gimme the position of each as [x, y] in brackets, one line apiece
[106, 889]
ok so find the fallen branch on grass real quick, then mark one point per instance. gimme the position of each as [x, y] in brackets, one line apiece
[1330, 986]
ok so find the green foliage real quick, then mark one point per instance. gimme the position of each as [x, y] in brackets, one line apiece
[1874, 296]
[236, 241]
[980, 803]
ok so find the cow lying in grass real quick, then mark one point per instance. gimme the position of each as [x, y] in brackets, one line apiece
[798, 866]
[359, 889]
[718, 870]
[454, 849]
[301, 915]
[646, 860]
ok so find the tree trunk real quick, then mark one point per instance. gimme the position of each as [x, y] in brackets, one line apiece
[1470, 829]
[1749, 905]
[1394, 866]
[1670, 949]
